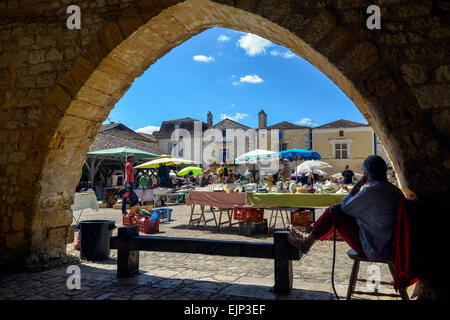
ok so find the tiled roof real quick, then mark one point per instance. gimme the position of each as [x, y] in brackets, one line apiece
[148, 136]
[167, 127]
[286, 125]
[116, 135]
[232, 122]
[342, 124]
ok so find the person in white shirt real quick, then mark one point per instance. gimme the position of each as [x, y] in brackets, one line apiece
[365, 218]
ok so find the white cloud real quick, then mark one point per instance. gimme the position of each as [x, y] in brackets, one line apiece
[148, 129]
[306, 121]
[251, 79]
[286, 54]
[248, 79]
[223, 38]
[202, 58]
[238, 116]
[253, 44]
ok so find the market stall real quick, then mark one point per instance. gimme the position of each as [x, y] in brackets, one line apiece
[145, 195]
[282, 201]
[224, 201]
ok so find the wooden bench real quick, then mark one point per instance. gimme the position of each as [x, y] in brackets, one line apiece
[128, 243]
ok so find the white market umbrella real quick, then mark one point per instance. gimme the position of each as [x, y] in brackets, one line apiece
[311, 165]
[319, 172]
[256, 156]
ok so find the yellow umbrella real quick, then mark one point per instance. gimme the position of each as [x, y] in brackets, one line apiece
[164, 161]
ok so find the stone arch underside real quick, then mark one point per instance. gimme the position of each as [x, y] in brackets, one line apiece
[126, 41]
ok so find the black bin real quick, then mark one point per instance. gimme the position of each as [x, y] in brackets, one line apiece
[95, 236]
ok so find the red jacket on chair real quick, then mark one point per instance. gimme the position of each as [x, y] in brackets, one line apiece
[404, 267]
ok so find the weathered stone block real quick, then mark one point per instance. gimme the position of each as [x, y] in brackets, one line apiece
[433, 96]
[17, 157]
[414, 73]
[59, 98]
[319, 27]
[111, 36]
[358, 59]
[16, 240]
[18, 221]
[37, 56]
[130, 20]
[54, 55]
[336, 42]
[379, 83]
[441, 120]
[442, 74]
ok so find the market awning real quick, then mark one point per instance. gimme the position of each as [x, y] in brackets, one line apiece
[299, 154]
[122, 153]
[164, 161]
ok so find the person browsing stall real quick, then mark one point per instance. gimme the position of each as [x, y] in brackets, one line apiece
[206, 178]
[285, 172]
[223, 170]
[144, 180]
[348, 175]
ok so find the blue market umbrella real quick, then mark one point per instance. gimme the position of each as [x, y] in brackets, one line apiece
[299, 154]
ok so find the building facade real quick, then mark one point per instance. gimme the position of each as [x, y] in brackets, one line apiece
[344, 142]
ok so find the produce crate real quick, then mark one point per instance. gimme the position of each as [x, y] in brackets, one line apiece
[128, 220]
[148, 225]
[302, 217]
[252, 228]
[136, 208]
[248, 214]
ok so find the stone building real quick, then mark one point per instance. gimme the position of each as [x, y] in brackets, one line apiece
[186, 126]
[291, 136]
[345, 142]
[58, 85]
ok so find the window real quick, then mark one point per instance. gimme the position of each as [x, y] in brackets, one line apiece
[341, 133]
[341, 151]
[283, 146]
[224, 133]
[280, 135]
[225, 154]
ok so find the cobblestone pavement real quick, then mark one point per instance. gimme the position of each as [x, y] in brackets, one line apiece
[193, 276]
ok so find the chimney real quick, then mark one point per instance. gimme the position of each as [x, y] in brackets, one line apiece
[262, 116]
[209, 120]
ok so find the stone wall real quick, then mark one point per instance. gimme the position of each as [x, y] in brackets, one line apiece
[57, 86]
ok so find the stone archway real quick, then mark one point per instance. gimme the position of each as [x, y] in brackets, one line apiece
[58, 86]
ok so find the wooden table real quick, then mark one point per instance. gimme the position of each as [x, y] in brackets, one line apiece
[282, 201]
[224, 201]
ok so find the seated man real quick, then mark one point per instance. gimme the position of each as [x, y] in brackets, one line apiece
[365, 219]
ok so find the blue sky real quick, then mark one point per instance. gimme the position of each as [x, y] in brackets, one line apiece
[235, 75]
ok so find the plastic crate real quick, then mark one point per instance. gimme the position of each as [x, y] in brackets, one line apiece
[164, 213]
[248, 214]
[148, 225]
[252, 228]
[128, 220]
[302, 218]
